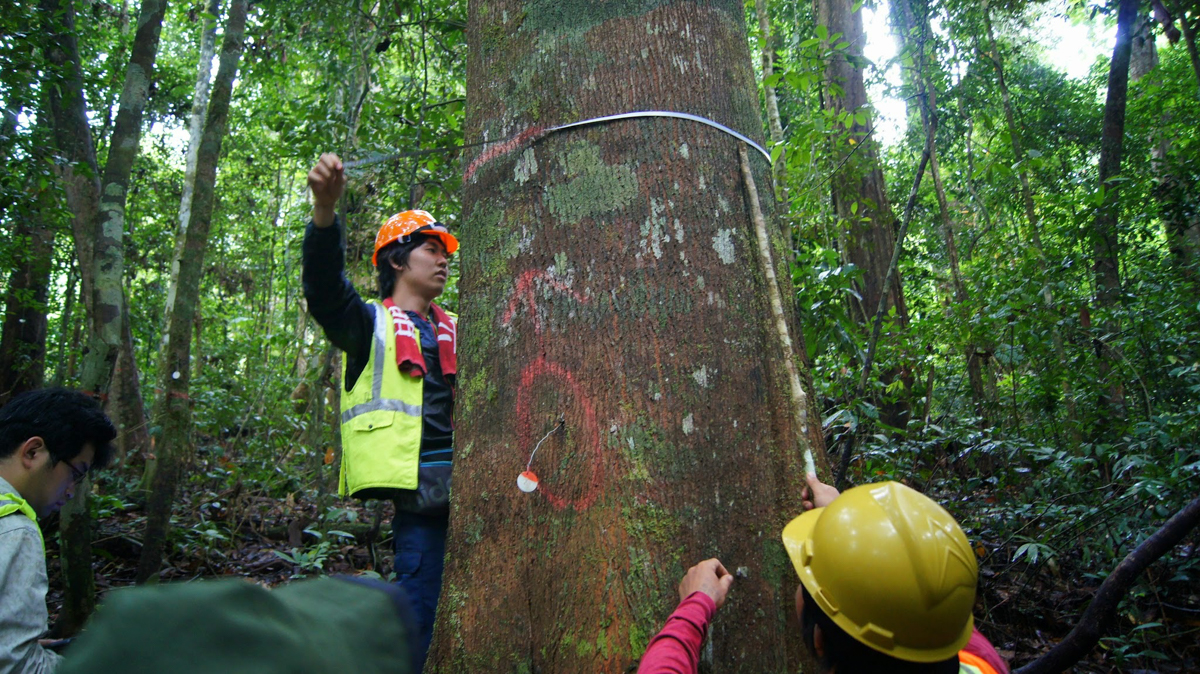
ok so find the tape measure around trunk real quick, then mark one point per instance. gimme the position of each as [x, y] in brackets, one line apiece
[358, 163]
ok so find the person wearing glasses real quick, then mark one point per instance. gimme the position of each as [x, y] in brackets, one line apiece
[50, 439]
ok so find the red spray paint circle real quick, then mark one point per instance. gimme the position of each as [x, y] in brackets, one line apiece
[588, 436]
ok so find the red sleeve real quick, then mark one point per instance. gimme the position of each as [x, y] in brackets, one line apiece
[676, 649]
[979, 646]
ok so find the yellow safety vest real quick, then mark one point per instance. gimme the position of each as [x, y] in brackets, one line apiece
[381, 418]
[20, 505]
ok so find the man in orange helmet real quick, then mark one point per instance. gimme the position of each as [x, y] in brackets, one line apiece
[887, 584]
[398, 375]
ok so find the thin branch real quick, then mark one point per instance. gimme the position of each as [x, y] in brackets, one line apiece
[881, 309]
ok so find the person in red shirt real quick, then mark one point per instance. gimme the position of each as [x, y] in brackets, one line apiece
[896, 566]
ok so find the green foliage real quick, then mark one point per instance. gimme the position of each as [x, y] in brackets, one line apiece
[307, 560]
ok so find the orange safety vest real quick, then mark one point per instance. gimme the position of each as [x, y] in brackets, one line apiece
[969, 663]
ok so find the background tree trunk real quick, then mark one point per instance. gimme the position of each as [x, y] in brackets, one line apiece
[173, 412]
[770, 100]
[23, 343]
[859, 192]
[125, 404]
[1106, 244]
[1035, 231]
[208, 45]
[679, 441]
[208, 42]
[98, 208]
[911, 18]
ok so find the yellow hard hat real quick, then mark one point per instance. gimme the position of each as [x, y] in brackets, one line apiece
[891, 568]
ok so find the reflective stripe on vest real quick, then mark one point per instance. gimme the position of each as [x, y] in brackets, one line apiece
[381, 418]
[969, 663]
[20, 505]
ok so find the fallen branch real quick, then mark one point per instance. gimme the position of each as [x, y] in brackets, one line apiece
[799, 397]
[1100, 613]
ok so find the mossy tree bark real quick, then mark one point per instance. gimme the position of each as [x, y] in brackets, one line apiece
[172, 408]
[611, 275]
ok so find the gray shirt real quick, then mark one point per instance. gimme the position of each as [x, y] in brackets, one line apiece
[23, 585]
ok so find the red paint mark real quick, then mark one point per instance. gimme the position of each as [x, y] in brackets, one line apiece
[552, 374]
[524, 291]
[502, 147]
[589, 436]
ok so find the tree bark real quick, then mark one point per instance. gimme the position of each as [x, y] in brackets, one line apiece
[208, 45]
[1181, 222]
[208, 42]
[858, 189]
[173, 412]
[98, 209]
[680, 442]
[23, 344]
[880, 309]
[1189, 39]
[1106, 245]
[125, 404]
[64, 365]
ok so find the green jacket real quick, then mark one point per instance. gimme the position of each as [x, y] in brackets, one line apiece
[321, 626]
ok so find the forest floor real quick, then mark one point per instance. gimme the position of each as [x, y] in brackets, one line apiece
[1024, 609]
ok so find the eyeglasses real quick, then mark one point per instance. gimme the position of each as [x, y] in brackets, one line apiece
[77, 476]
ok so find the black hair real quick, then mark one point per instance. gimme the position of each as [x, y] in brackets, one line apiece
[395, 253]
[65, 420]
[850, 656]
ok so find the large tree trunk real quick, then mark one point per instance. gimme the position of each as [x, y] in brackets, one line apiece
[98, 208]
[859, 192]
[1106, 245]
[612, 279]
[173, 412]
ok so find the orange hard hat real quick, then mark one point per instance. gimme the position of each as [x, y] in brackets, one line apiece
[403, 225]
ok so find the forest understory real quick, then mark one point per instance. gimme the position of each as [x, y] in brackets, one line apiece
[946, 242]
